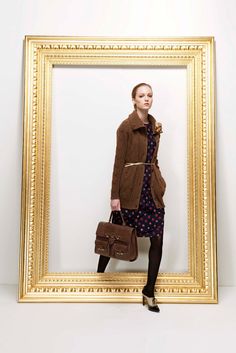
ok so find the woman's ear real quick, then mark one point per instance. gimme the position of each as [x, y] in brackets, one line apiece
[134, 104]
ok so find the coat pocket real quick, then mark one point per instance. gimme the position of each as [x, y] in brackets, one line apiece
[127, 181]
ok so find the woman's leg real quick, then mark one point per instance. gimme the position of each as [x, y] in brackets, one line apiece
[154, 256]
[102, 263]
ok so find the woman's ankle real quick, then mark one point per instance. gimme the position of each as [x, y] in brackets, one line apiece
[148, 291]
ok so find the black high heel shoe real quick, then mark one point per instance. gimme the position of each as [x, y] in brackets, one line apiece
[151, 303]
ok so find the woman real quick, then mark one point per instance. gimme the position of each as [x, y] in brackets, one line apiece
[137, 184]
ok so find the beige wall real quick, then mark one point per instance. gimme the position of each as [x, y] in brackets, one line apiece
[87, 107]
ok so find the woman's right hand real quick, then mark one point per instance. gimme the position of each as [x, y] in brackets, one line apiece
[115, 205]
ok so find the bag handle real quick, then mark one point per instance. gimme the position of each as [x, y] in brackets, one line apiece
[123, 221]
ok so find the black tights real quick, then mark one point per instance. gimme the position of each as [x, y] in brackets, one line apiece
[102, 263]
[154, 260]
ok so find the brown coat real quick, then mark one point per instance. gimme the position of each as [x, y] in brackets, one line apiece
[131, 147]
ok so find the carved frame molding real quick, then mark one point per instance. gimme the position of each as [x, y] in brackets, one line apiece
[199, 284]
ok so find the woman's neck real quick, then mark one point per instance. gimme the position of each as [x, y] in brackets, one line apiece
[143, 115]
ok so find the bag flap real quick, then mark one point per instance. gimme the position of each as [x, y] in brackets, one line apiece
[120, 232]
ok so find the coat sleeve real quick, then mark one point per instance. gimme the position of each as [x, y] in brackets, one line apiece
[119, 162]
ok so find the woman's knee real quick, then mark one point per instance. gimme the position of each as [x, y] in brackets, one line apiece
[157, 241]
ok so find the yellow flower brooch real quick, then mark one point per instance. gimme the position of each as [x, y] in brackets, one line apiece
[158, 127]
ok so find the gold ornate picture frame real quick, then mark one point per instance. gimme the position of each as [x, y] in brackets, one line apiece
[199, 283]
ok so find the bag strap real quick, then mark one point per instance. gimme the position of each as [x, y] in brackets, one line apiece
[123, 221]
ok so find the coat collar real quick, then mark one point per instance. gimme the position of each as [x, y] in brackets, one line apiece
[136, 122]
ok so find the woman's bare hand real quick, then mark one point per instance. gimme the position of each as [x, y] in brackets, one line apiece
[115, 205]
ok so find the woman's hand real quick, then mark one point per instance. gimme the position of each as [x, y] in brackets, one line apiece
[115, 205]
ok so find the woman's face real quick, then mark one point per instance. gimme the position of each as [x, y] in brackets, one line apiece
[143, 98]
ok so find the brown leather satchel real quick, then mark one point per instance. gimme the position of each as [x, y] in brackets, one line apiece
[117, 241]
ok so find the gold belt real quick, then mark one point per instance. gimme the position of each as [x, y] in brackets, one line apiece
[137, 163]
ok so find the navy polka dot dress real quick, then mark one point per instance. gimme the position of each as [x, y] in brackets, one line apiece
[147, 219]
